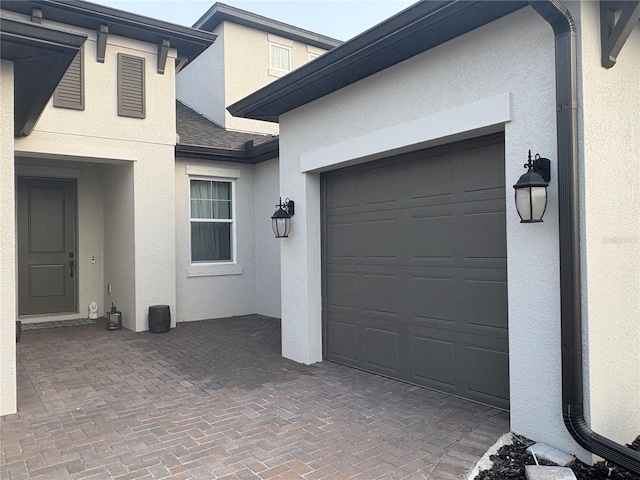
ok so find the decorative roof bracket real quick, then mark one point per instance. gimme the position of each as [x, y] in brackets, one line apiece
[103, 33]
[163, 51]
[614, 33]
[181, 61]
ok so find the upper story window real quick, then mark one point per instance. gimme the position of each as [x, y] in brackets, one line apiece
[212, 221]
[70, 91]
[131, 87]
[312, 56]
[280, 57]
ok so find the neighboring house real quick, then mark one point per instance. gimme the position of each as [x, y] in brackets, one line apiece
[250, 52]
[400, 148]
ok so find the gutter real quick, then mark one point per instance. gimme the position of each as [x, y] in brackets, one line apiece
[557, 15]
[247, 154]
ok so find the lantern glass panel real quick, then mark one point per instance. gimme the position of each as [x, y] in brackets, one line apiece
[523, 204]
[538, 202]
[281, 227]
[531, 203]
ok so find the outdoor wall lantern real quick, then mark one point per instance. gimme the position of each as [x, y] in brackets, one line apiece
[531, 189]
[281, 220]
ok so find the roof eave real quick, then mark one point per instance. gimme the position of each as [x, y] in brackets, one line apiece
[257, 154]
[316, 79]
[220, 12]
[41, 56]
[189, 42]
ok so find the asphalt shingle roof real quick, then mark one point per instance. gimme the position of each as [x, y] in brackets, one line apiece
[195, 129]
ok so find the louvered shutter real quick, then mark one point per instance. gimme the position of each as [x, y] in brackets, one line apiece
[131, 86]
[70, 90]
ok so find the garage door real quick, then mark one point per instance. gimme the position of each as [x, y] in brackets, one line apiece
[414, 273]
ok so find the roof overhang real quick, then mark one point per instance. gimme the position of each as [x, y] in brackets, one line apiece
[221, 12]
[417, 29]
[41, 56]
[188, 41]
[249, 153]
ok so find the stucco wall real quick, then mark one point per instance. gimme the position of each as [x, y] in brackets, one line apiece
[119, 241]
[8, 281]
[436, 97]
[267, 192]
[200, 84]
[88, 177]
[216, 291]
[247, 50]
[610, 139]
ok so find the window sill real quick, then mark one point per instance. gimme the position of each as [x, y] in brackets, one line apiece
[212, 270]
[274, 72]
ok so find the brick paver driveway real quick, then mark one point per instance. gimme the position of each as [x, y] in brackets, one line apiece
[215, 399]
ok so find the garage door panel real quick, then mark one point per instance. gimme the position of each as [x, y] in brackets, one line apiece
[484, 303]
[433, 298]
[343, 339]
[381, 347]
[378, 185]
[378, 238]
[434, 361]
[415, 269]
[431, 178]
[487, 369]
[343, 240]
[484, 235]
[343, 290]
[380, 293]
[435, 233]
[483, 168]
[341, 193]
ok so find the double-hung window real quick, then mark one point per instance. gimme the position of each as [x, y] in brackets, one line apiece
[212, 221]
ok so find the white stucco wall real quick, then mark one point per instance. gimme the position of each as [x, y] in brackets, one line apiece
[249, 285]
[423, 98]
[88, 177]
[216, 290]
[119, 242]
[610, 139]
[8, 281]
[247, 50]
[201, 85]
[267, 192]
[146, 187]
[236, 65]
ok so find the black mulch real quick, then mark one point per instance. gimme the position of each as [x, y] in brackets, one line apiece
[509, 463]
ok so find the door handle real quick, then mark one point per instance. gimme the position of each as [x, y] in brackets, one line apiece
[71, 264]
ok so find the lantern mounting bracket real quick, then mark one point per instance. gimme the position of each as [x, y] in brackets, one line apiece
[540, 165]
[288, 206]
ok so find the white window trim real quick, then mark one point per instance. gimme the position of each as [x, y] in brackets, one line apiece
[275, 71]
[223, 267]
[312, 56]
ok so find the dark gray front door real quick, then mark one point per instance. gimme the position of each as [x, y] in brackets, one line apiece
[46, 246]
[415, 281]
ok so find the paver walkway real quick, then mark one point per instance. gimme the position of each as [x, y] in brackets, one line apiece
[214, 399]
